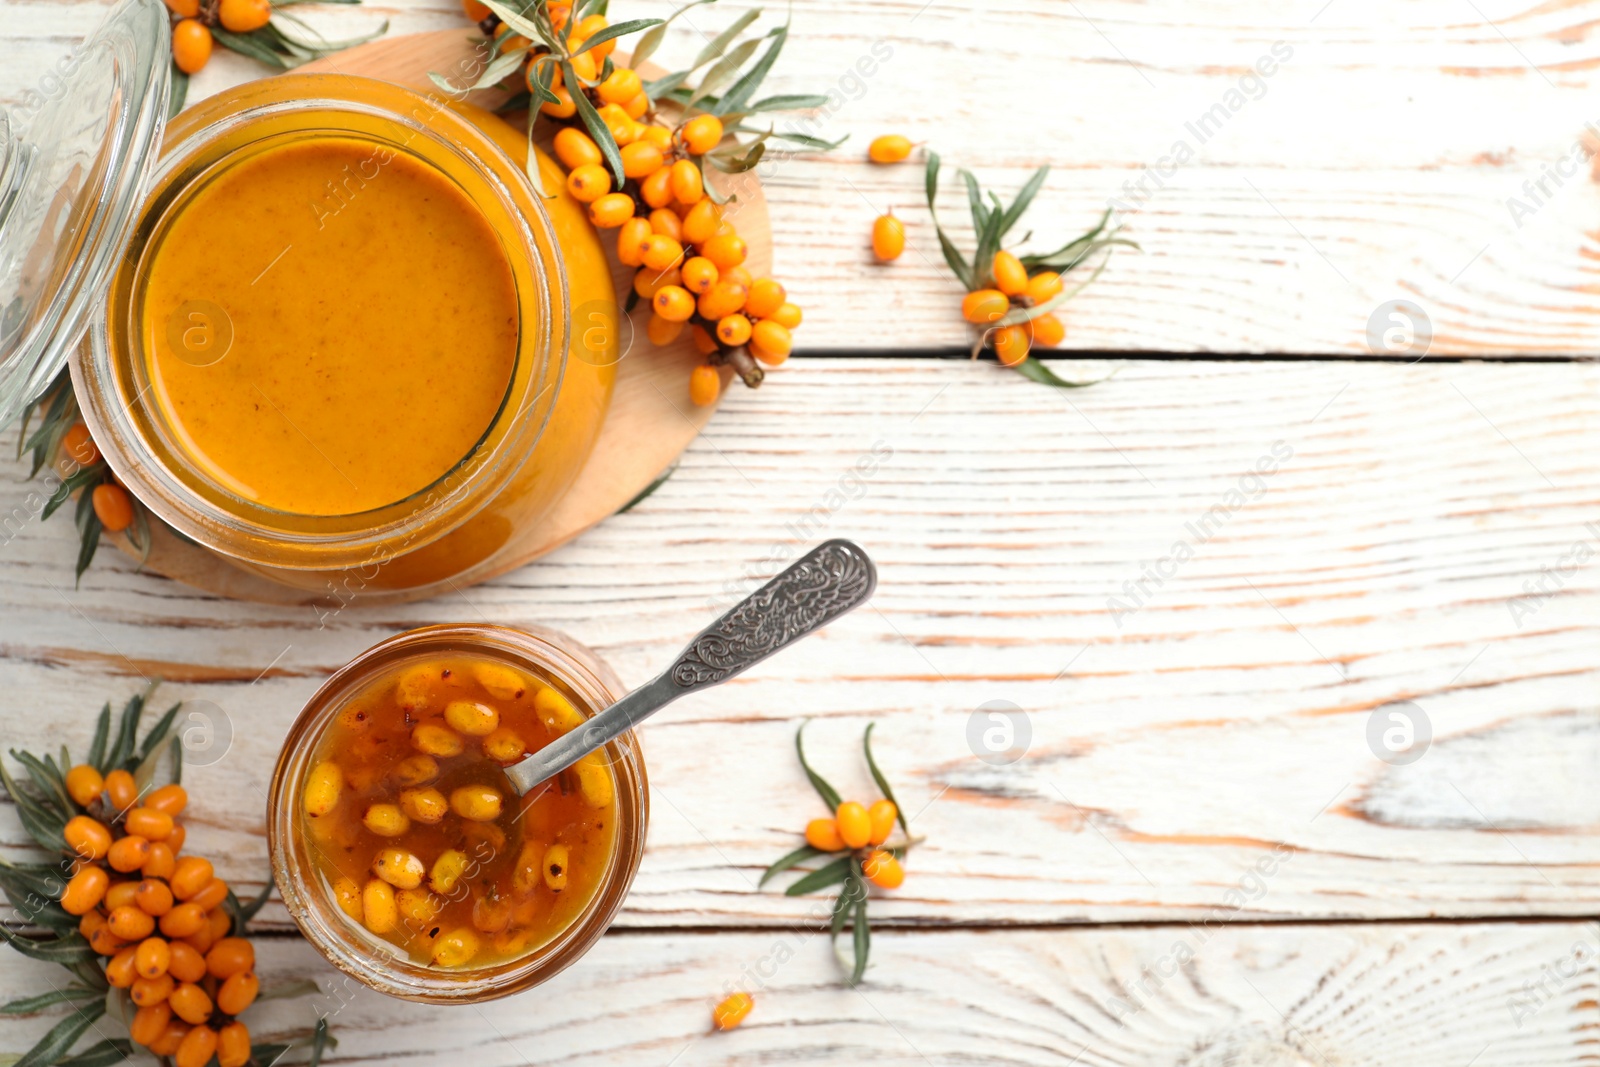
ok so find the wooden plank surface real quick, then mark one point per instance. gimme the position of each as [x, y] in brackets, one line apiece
[1378, 161]
[1386, 560]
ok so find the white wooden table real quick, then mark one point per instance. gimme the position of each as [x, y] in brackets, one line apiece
[1201, 859]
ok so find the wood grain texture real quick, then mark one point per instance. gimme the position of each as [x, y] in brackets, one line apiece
[1388, 559]
[1492, 995]
[1379, 161]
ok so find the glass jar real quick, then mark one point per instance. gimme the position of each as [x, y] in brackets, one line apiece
[378, 964]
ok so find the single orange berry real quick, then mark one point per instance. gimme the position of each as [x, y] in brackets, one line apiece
[1048, 330]
[475, 10]
[153, 897]
[854, 826]
[121, 789]
[85, 891]
[112, 506]
[705, 385]
[187, 964]
[701, 222]
[1011, 344]
[84, 784]
[186, 9]
[171, 799]
[665, 221]
[161, 861]
[882, 816]
[663, 332]
[648, 282]
[575, 148]
[630, 241]
[585, 67]
[725, 250]
[641, 159]
[587, 28]
[619, 123]
[722, 300]
[733, 330]
[87, 837]
[152, 957]
[192, 874]
[661, 252]
[611, 210]
[688, 184]
[120, 971]
[1010, 276]
[636, 107]
[766, 297]
[789, 316]
[77, 445]
[1044, 286]
[196, 1048]
[704, 343]
[673, 303]
[130, 923]
[883, 870]
[238, 992]
[149, 1023]
[890, 148]
[128, 854]
[148, 823]
[564, 107]
[190, 1003]
[184, 920]
[701, 134]
[167, 1044]
[823, 835]
[622, 86]
[984, 306]
[656, 189]
[233, 1044]
[243, 16]
[732, 1011]
[191, 45]
[589, 182]
[771, 342]
[560, 14]
[888, 238]
[230, 956]
[699, 275]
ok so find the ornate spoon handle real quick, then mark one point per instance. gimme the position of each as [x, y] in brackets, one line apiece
[822, 585]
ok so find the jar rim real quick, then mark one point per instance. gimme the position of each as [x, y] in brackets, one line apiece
[319, 918]
[168, 482]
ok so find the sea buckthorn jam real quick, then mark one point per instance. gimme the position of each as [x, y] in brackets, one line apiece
[417, 832]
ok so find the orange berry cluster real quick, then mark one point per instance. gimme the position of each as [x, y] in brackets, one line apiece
[160, 919]
[1012, 286]
[191, 31]
[855, 827]
[689, 257]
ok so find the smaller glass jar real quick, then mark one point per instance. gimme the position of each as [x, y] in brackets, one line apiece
[376, 963]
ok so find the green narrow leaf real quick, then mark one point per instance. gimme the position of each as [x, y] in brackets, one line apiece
[883, 783]
[980, 213]
[29, 1005]
[127, 731]
[243, 913]
[841, 907]
[97, 747]
[719, 44]
[798, 856]
[621, 29]
[651, 41]
[829, 795]
[1033, 370]
[59, 1041]
[725, 68]
[517, 21]
[952, 255]
[787, 102]
[827, 875]
[741, 91]
[250, 46]
[1025, 197]
[158, 732]
[43, 825]
[66, 950]
[657, 483]
[596, 126]
[180, 92]
[319, 1042]
[107, 1053]
[862, 939]
[51, 785]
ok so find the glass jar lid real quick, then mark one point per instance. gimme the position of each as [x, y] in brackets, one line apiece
[74, 158]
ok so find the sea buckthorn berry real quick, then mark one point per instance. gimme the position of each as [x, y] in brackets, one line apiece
[890, 148]
[121, 895]
[584, 66]
[153, 897]
[673, 303]
[701, 134]
[148, 991]
[1044, 286]
[589, 183]
[705, 385]
[611, 210]
[190, 1003]
[1011, 344]
[1048, 330]
[688, 185]
[183, 920]
[575, 148]
[766, 297]
[191, 48]
[636, 106]
[555, 710]
[323, 787]
[725, 250]
[663, 332]
[508, 40]
[984, 306]
[378, 911]
[661, 252]
[475, 10]
[180, 834]
[347, 894]
[167, 1044]
[594, 781]
[148, 1023]
[386, 820]
[424, 804]
[121, 790]
[218, 923]
[622, 127]
[699, 275]
[105, 943]
[732, 1011]
[192, 874]
[455, 948]
[230, 956]
[472, 718]
[587, 28]
[171, 799]
[883, 870]
[78, 446]
[881, 816]
[740, 276]
[665, 222]
[700, 224]
[476, 802]
[447, 871]
[722, 300]
[505, 745]
[622, 86]
[647, 283]
[770, 342]
[187, 964]
[87, 837]
[788, 316]
[888, 238]
[418, 905]
[243, 16]
[823, 834]
[491, 913]
[187, 9]
[129, 923]
[557, 861]
[704, 343]
[120, 972]
[733, 330]
[128, 854]
[84, 784]
[564, 107]
[148, 823]
[656, 188]
[233, 1045]
[90, 922]
[854, 826]
[434, 739]
[1010, 276]
[630, 239]
[415, 691]
[415, 770]
[196, 1048]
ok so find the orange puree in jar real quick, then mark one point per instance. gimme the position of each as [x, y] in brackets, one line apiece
[368, 315]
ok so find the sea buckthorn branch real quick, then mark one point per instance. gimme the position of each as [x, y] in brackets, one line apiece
[637, 152]
[151, 938]
[857, 837]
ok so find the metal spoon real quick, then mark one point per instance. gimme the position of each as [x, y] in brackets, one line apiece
[822, 585]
